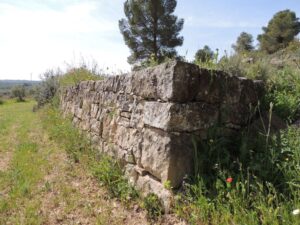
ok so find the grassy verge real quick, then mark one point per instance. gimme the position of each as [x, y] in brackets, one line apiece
[41, 184]
[27, 163]
[107, 171]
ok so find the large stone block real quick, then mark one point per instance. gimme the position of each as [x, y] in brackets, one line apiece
[179, 82]
[180, 117]
[167, 156]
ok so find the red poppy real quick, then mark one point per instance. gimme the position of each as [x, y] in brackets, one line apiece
[229, 180]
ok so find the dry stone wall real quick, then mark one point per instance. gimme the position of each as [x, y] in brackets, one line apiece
[147, 119]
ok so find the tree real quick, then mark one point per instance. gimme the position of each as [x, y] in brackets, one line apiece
[204, 55]
[281, 30]
[19, 93]
[244, 43]
[151, 30]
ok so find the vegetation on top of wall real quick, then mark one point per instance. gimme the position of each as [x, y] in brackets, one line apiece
[75, 75]
[53, 80]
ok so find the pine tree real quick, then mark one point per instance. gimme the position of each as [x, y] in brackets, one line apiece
[244, 43]
[151, 30]
[281, 30]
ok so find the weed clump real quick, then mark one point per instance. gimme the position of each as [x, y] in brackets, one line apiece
[153, 206]
[109, 173]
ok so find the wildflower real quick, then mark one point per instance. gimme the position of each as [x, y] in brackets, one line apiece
[296, 212]
[229, 180]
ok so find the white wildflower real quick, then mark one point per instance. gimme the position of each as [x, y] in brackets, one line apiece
[296, 211]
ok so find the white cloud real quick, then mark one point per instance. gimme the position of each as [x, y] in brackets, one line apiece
[32, 40]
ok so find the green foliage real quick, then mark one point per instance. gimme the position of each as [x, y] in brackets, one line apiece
[19, 93]
[151, 29]
[48, 88]
[1, 102]
[7, 85]
[244, 43]
[284, 92]
[204, 55]
[231, 65]
[53, 80]
[281, 30]
[250, 183]
[75, 75]
[207, 58]
[153, 206]
[109, 174]
[64, 132]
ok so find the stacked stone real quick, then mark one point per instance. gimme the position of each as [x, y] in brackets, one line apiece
[147, 119]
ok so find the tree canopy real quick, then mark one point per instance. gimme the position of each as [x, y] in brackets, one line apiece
[18, 92]
[203, 55]
[281, 30]
[150, 29]
[244, 43]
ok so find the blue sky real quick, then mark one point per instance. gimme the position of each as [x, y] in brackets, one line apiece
[39, 34]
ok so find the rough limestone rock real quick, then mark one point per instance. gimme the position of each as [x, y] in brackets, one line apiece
[148, 119]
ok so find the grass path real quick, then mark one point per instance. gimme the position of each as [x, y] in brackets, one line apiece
[40, 185]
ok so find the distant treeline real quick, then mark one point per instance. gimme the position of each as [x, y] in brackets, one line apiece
[7, 85]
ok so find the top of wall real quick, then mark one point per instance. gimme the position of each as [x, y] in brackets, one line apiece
[177, 81]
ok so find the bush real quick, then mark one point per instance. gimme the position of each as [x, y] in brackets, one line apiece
[75, 75]
[153, 206]
[48, 88]
[19, 93]
[54, 80]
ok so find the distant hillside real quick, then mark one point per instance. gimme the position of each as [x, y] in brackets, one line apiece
[6, 85]
[11, 83]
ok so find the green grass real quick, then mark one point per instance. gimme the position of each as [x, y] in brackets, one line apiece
[27, 163]
[106, 170]
[265, 184]
[41, 181]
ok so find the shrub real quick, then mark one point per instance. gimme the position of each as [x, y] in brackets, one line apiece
[54, 80]
[153, 206]
[48, 88]
[75, 75]
[19, 93]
